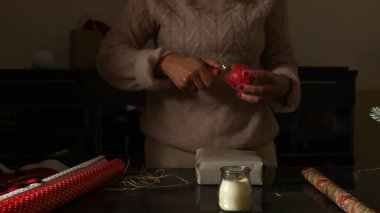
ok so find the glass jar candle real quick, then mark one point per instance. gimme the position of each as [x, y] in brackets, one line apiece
[235, 190]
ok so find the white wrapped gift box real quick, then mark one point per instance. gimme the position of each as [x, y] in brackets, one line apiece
[210, 160]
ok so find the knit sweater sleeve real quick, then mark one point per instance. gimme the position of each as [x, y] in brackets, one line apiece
[278, 56]
[122, 60]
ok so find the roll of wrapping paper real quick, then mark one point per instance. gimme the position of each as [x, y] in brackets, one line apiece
[59, 191]
[339, 196]
[321, 200]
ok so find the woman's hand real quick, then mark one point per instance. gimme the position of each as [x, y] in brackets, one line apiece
[266, 86]
[187, 73]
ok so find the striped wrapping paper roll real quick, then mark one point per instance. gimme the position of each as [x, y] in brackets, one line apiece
[62, 189]
[339, 196]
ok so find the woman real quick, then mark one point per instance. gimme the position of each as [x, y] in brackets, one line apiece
[187, 108]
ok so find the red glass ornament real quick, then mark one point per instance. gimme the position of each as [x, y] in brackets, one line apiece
[233, 74]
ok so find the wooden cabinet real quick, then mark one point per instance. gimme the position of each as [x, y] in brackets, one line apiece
[46, 113]
[321, 131]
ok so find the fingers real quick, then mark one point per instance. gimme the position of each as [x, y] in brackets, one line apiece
[253, 99]
[199, 83]
[191, 84]
[258, 76]
[260, 90]
[213, 66]
[265, 86]
[186, 84]
[212, 63]
[191, 87]
[192, 74]
[201, 76]
[206, 78]
[207, 71]
[254, 94]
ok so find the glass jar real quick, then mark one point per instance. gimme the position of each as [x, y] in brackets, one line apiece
[235, 190]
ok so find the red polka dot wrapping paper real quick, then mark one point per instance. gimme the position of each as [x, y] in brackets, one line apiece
[335, 193]
[50, 196]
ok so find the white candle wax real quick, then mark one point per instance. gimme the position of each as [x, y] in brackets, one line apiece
[235, 195]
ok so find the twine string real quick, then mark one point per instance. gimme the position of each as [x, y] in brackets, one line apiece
[147, 180]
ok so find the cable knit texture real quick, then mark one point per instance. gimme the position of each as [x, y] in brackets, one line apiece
[251, 32]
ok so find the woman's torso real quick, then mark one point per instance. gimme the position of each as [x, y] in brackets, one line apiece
[230, 31]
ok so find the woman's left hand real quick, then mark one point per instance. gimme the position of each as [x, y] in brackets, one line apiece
[265, 86]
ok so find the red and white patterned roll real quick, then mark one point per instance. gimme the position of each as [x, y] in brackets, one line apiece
[339, 196]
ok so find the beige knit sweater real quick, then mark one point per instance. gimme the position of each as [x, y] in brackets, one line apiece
[252, 32]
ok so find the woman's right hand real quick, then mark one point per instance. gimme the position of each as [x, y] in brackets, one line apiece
[187, 73]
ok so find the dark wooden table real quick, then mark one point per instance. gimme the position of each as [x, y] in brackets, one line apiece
[284, 190]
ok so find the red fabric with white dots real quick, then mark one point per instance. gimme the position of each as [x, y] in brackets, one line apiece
[51, 197]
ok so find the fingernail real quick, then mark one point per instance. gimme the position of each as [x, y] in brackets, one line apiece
[245, 73]
[241, 87]
[238, 95]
